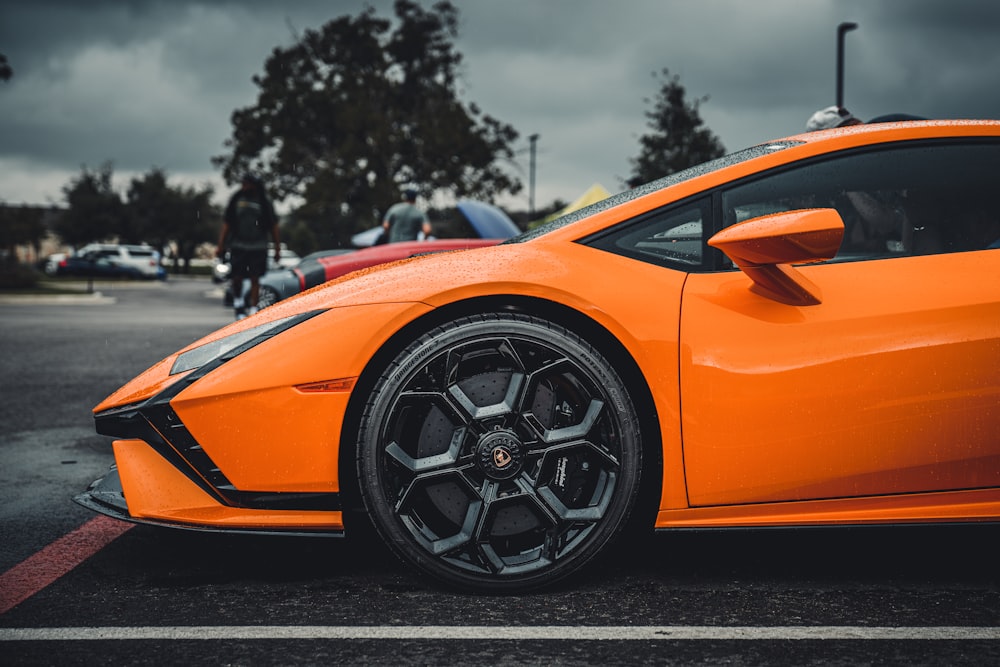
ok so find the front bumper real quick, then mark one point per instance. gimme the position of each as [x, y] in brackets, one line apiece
[105, 495]
[162, 474]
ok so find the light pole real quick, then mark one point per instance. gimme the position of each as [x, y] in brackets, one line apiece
[842, 30]
[531, 178]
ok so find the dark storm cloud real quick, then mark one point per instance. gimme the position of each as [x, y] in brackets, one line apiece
[153, 83]
[944, 58]
[140, 83]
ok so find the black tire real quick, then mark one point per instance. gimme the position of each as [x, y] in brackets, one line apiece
[267, 296]
[499, 453]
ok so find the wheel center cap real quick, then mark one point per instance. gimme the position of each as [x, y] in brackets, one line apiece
[499, 454]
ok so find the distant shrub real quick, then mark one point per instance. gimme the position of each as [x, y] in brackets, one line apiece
[18, 276]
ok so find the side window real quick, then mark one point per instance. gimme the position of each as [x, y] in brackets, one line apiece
[898, 200]
[670, 235]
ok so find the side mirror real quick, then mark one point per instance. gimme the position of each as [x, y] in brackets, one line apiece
[764, 247]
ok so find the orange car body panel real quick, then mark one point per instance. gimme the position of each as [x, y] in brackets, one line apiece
[889, 386]
[769, 414]
[955, 506]
[156, 491]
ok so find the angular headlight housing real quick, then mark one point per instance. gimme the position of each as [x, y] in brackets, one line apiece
[224, 349]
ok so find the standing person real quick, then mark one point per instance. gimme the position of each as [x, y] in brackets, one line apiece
[404, 221]
[248, 223]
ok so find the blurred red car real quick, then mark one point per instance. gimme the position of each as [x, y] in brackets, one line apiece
[278, 285]
[490, 223]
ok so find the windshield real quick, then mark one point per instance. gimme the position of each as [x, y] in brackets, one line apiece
[653, 186]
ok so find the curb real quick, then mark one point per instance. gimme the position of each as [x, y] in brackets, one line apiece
[92, 299]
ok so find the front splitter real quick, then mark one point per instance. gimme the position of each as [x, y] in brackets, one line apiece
[105, 496]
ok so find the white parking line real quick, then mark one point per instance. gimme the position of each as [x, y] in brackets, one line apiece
[550, 633]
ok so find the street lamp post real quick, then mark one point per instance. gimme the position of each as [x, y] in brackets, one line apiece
[842, 30]
[531, 179]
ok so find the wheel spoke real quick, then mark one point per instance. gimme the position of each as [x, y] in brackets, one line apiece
[557, 436]
[505, 406]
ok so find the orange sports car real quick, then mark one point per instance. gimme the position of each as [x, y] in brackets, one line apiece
[806, 332]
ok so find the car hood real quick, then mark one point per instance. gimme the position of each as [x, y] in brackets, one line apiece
[419, 283]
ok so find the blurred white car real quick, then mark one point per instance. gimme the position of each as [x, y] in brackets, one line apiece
[52, 262]
[143, 258]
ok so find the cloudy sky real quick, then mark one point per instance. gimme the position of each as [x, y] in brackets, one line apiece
[152, 83]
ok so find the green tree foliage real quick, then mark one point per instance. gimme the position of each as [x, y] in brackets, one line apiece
[94, 210]
[678, 139]
[151, 207]
[153, 212]
[357, 109]
[20, 225]
[6, 72]
[198, 221]
[158, 213]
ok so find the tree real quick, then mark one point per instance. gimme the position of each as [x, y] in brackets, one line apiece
[355, 110]
[158, 213]
[95, 211]
[6, 71]
[20, 225]
[678, 139]
[150, 205]
[197, 221]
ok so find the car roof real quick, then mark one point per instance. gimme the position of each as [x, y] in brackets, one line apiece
[756, 159]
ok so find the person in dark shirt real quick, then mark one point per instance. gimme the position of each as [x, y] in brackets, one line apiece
[248, 226]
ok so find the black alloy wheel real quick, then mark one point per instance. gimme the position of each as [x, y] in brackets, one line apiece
[499, 452]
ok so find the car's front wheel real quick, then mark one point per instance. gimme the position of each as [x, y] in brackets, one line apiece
[499, 452]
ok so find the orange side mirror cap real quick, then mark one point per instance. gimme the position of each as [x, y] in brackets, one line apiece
[764, 247]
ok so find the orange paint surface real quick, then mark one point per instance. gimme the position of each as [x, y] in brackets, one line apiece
[155, 490]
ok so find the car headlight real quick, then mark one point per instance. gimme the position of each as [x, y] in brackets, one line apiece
[224, 349]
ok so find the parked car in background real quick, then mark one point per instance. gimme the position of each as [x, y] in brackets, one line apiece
[94, 264]
[51, 263]
[488, 222]
[278, 285]
[221, 268]
[144, 259]
[472, 219]
[283, 283]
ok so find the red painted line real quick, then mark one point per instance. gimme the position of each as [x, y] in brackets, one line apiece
[38, 571]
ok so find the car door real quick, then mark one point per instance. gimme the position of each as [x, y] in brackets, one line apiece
[889, 385]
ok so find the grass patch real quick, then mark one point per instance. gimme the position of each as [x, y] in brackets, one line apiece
[47, 288]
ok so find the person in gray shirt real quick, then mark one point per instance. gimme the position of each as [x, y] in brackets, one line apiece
[404, 221]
